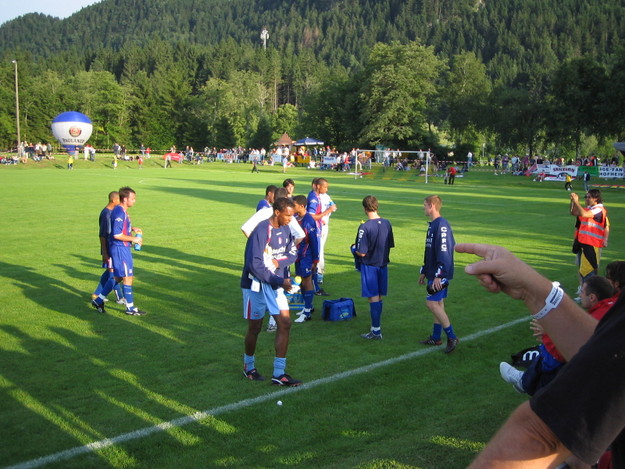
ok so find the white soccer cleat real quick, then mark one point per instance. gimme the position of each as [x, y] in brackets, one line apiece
[272, 326]
[303, 318]
[511, 375]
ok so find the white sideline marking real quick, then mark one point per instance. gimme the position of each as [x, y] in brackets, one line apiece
[197, 416]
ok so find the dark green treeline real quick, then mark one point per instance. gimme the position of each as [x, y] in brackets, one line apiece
[520, 76]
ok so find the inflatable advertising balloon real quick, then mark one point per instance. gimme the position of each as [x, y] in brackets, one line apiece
[72, 129]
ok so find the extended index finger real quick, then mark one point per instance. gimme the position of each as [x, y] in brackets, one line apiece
[474, 248]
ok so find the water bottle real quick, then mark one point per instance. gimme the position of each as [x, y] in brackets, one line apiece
[137, 245]
[296, 284]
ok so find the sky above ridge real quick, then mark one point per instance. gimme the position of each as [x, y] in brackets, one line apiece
[11, 9]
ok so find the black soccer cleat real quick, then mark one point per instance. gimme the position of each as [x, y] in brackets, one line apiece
[97, 306]
[322, 292]
[372, 336]
[253, 375]
[431, 341]
[285, 380]
[451, 345]
[135, 312]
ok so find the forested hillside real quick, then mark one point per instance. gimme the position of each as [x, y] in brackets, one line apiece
[169, 69]
[508, 35]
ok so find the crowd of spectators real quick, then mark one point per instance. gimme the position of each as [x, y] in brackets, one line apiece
[521, 166]
[314, 157]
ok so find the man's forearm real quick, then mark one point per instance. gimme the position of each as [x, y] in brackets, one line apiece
[576, 209]
[523, 442]
[568, 325]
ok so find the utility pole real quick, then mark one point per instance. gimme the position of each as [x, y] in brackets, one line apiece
[264, 35]
[17, 111]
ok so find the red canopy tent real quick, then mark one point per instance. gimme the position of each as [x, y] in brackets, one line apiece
[284, 140]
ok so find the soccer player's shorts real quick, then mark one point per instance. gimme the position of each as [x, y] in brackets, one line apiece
[255, 304]
[588, 260]
[439, 295]
[304, 267]
[373, 280]
[122, 261]
[108, 264]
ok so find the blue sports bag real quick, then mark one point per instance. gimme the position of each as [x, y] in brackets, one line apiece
[338, 310]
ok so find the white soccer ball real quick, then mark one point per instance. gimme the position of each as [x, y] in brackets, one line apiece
[279, 402]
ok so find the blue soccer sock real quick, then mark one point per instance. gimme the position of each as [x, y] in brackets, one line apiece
[99, 300]
[375, 309]
[279, 366]
[308, 299]
[110, 285]
[127, 289]
[103, 279]
[315, 280]
[249, 362]
[117, 288]
[437, 330]
[119, 293]
[106, 289]
[450, 332]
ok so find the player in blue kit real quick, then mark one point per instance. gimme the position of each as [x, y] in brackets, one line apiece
[289, 185]
[269, 252]
[104, 222]
[268, 200]
[307, 256]
[264, 214]
[319, 186]
[120, 243]
[373, 245]
[438, 270]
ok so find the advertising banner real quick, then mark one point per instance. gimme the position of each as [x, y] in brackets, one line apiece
[610, 172]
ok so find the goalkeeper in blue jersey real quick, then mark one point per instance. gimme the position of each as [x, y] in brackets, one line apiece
[438, 270]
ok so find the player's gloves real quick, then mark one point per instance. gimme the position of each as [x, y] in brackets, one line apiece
[444, 284]
[357, 260]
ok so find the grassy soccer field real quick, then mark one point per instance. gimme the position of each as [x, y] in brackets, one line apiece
[70, 377]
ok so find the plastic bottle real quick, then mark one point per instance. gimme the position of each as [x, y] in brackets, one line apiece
[137, 245]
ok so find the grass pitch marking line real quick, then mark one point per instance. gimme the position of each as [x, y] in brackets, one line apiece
[198, 416]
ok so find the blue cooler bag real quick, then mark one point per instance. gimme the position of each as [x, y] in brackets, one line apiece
[338, 310]
[296, 301]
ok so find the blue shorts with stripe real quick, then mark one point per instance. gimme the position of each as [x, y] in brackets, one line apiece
[122, 261]
[373, 280]
[256, 303]
[304, 267]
